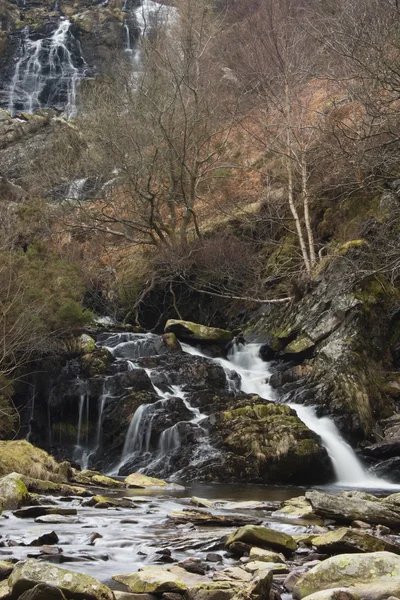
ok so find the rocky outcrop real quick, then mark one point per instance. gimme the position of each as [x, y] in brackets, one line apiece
[372, 576]
[268, 442]
[22, 457]
[198, 333]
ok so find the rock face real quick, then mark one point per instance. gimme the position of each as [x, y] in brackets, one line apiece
[28, 574]
[200, 333]
[268, 442]
[372, 576]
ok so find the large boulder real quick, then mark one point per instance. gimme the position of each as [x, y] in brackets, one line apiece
[29, 573]
[199, 333]
[263, 537]
[13, 492]
[19, 456]
[352, 540]
[268, 442]
[353, 506]
[137, 480]
[373, 576]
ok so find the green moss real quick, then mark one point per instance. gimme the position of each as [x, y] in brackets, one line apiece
[347, 246]
[300, 344]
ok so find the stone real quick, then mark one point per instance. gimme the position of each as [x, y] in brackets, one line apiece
[46, 539]
[291, 580]
[201, 502]
[373, 576]
[108, 502]
[193, 565]
[298, 508]
[352, 540]
[194, 332]
[203, 517]
[58, 519]
[154, 580]
[85, 344]
[13, 491]
[214, 557]
[31, 512]
[263, 537]
[29, 573]
[334, 594]
[351, 506]
[129, 596]
[42, 591]
[4, 590]
[87, 477]
[5, 569]
[260, 554]
[261, 566]
[137, 480]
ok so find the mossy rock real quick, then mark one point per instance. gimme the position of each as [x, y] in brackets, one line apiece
[263, 537]
[97, 362]
[55, 489]
[5, 569]
[152, 580]
[352, 540]
[19, 456]
[13, 491]
[373, 576]
[95, 478]
[200, 333]
[299, 345]
[73, 585]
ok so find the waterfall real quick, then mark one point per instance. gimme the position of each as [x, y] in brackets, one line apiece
[254, 374]
[80, 417]
[47, 72]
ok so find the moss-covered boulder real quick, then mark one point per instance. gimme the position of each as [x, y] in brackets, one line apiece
[29, 573]
[353, 506]
[187, 330]
[4, 590]
[5, 569]
[137, 480]
[19, 456]
[262, 555]
[42, 591]
[13, 492]
[153, 580]
[40, 486]
[298, 508]
[97, 362]
[268, 442]
[94, 478]
[263, 537]
[352, 540]
[373, 576]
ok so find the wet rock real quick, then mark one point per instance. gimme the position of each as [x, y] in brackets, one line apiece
[193, 565]
[213, 557]
[256, 566]
[19, 456]
[137, 480]
[29, 573]
[187, 330]
[350, 506]
[373, 576]
[130, 596]
[58, 519]
[31, 512]
[263, 537]
[389, 468]
[46, 539]
[249, 505]
[346, 540]
[360, 525]
[298, 508]
[93, 537]
[335, 594]
[206, 518]
[42, 591]
[259, 554]
[202, 502]
[13, 492]
[293, 577]
[57, 489]
[108, 502]
[239, 549]
[267, 442]
[5, 569]
[232, 573]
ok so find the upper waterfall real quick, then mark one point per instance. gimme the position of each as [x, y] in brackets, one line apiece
[47, 71]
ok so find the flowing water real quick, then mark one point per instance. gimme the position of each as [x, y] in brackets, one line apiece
[47, 71]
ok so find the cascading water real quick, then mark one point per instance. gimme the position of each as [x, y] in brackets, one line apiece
[254, 374]
[47, 72]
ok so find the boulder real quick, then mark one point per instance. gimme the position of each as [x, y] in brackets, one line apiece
[203, 517]
[13, 491]
[55, 489]
[5, 569]
[19, 456]
[334, 594]
[352, 540]
[4, 590]
[263, 537]
[28, 574]
[353, 506]
[259, 554]
[137, 480]
[39, 511]
[265, 441]
[187, 330]
[298, 508]
[42, 591]
[373, 576]
[95, 478]
[153, 580]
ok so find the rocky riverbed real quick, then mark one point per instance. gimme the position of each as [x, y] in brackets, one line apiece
[142, 539]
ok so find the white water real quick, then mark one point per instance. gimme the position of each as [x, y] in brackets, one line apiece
[46, 74]
[254, 374]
